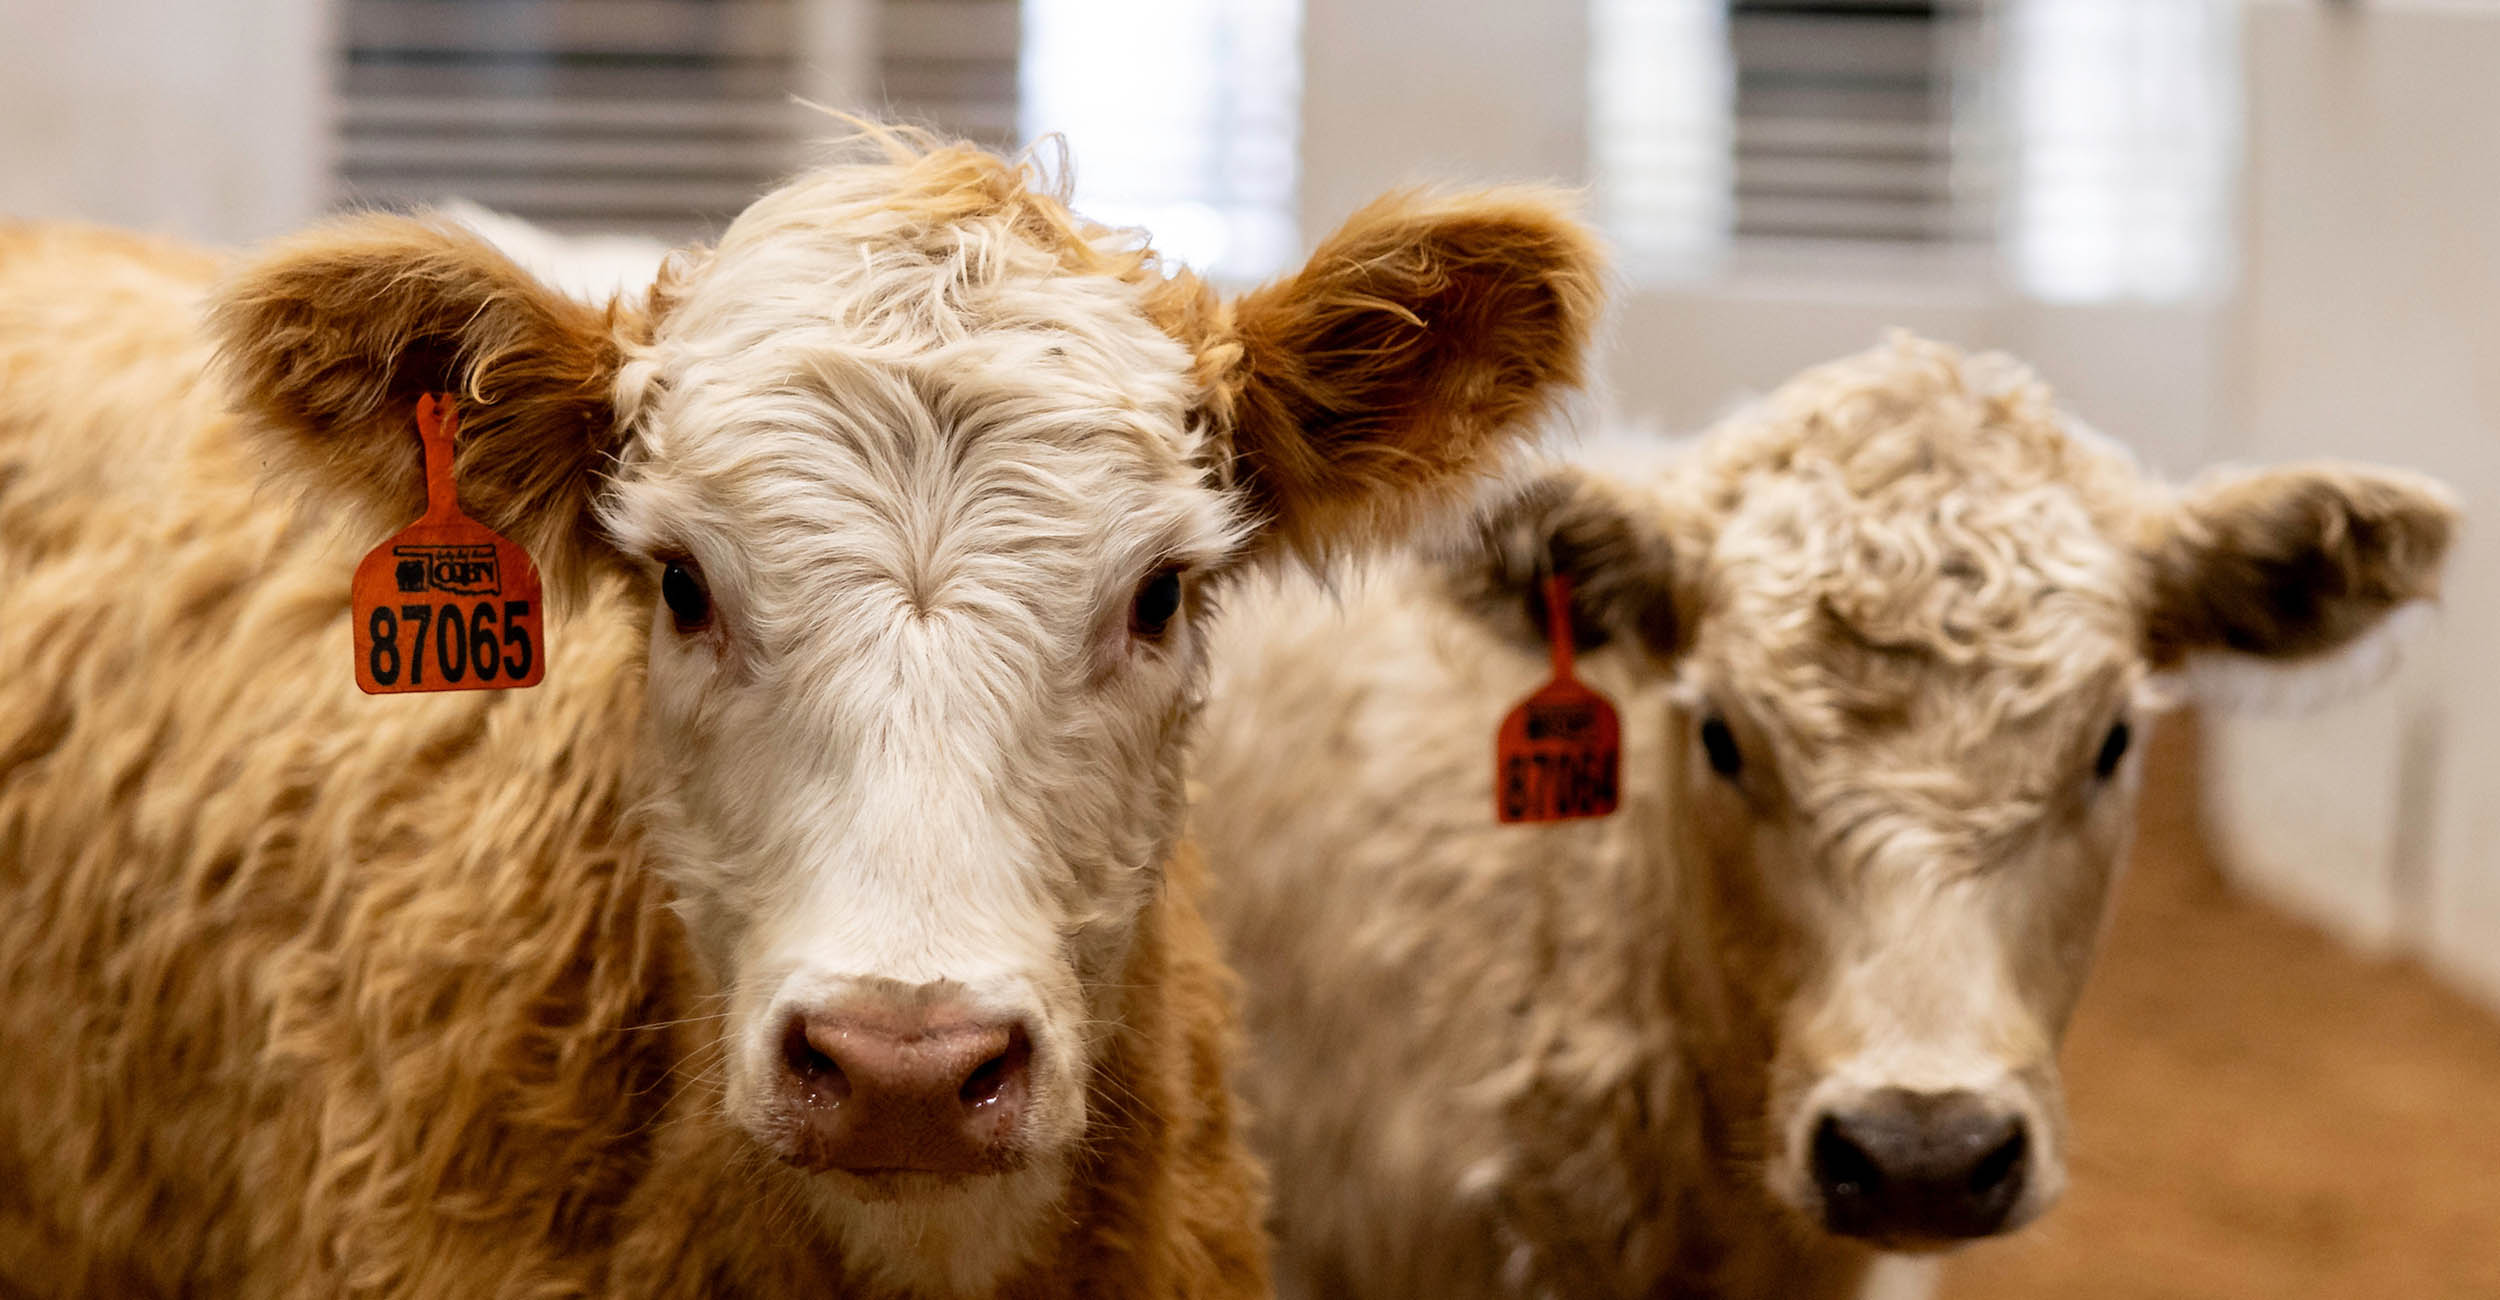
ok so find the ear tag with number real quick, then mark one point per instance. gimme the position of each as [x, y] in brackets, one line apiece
[446, 604]
[1558, 753]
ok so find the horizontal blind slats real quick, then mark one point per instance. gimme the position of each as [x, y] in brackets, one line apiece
[573, 196]
[949, 29]
[1844, 125]
[451, 154]
[703, 117]
[1720, 128]
[952, 65]
[665, 116]
[755, 29]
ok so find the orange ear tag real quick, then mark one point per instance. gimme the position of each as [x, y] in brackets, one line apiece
[446, 604]
[1558, 753]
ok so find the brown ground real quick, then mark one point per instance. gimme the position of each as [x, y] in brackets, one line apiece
[2258, 1111]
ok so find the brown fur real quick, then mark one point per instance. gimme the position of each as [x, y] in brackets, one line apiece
[1160, 1204]
[1420, 336]
[334, 333]
[337, 995]
[1582, 527]
[1417, 334]
[1423, 332]
[2296, 561]
[379, 996]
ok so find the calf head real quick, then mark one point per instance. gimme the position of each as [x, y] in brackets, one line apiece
[923, 485]
[1906, 630]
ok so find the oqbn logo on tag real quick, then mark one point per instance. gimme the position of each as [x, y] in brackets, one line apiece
[1559, 753]
[446, 604]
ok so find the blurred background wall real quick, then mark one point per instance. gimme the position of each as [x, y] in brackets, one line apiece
[212, 120]
[2224, 229]
[2368, 322]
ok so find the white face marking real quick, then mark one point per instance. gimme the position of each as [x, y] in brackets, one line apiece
[1901, 1277]
[914, 746]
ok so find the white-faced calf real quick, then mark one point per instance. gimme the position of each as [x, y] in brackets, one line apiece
[820, 925]
[1885, 649]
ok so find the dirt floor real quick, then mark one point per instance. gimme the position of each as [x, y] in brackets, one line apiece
[2258, 1111]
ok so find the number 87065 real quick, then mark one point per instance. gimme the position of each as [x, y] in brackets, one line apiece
[464, 641]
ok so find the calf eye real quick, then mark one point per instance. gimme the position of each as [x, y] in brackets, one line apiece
[1720, 744]
[1158, 599]
[688, 602]
[2113, 748]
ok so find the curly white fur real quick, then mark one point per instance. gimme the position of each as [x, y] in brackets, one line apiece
[1588, 1058]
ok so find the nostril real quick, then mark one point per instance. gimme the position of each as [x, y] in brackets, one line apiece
[1910, 1167]
[823, 1077]
[874, 1088]
[992, 1080]
[1842, 1168]
[2003, 1168]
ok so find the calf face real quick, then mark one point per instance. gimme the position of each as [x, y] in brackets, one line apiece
[1912, 631]
[924, 485]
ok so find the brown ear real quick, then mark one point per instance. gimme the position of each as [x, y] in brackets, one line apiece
[1420, 341]
[1588, 528]
[2294, 562]
[329, 337]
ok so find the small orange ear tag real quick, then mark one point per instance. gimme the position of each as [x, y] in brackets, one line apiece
[1558, 753]
[446, 604]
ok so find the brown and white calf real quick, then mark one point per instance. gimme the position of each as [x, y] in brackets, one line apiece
[821, 924]
[1884, 650]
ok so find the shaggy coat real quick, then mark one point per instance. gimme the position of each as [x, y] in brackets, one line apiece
[1877, 647]
[307, 993]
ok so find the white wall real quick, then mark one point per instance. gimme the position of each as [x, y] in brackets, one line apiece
[2369, 325]
[1398, 90]
[202, 119]
[2148, 376]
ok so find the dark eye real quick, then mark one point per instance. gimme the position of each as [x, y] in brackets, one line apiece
[1720, 744]
[2113, 748]
[688, 602]
[1158, 599]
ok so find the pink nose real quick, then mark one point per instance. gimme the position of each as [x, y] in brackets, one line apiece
[876, 1090]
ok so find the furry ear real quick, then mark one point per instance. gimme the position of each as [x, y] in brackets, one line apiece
[2293, 563]
[1420, 340]
[1591, 530]
[329, 337]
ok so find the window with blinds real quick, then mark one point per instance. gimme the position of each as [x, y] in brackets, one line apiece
[1848, 122]
[658, 116]
[952, 65]
[2080, 148]
[665, 117]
